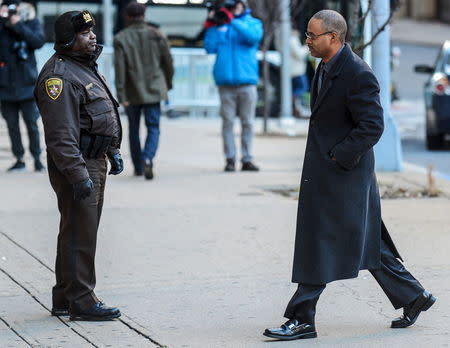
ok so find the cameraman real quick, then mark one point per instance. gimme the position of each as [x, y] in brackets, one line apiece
[234, 36]
[20, 34]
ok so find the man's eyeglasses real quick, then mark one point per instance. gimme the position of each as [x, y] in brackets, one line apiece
[313, 36]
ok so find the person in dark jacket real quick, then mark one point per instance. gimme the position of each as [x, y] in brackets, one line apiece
[82, 128]
[339, 225]
[20, 35]
[144, 72]
[233, 34]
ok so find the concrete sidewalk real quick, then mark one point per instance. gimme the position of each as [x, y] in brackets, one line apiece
[200, 258]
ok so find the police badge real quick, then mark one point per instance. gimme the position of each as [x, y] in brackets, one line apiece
[54, 87]
[87, 17]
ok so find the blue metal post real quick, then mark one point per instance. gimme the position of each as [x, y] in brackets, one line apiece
[388, 151]
[286, 85]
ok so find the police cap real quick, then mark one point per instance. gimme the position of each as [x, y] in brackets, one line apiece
[69, 24]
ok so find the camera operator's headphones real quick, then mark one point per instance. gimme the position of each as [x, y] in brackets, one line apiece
[69, 24]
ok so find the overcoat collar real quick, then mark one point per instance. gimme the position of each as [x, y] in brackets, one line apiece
[332, 74]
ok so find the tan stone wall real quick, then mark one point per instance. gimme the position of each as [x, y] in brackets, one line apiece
[419, 9]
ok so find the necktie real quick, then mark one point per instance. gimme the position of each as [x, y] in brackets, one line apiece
[321, 77]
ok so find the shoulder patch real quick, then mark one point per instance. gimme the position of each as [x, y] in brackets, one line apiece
[54, 87]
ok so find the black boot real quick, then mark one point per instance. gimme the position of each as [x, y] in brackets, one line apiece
[97, 312]
[38, 166]
[148, 169]
[60, 306]
[230, 166]
[249, 166]
[19, 166]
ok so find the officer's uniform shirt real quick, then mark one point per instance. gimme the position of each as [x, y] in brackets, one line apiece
[73, 98]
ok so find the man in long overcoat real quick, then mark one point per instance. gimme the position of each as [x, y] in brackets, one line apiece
[339, 225]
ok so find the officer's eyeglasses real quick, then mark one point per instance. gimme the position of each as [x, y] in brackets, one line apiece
[313, 36]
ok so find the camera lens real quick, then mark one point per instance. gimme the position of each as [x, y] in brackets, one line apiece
[12, 9]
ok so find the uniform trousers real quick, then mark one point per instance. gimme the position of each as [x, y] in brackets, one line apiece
[238, 101]
[398, 284]
[77, 238]
[10, 111]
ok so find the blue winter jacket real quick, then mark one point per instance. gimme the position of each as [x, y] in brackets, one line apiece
[236, 45]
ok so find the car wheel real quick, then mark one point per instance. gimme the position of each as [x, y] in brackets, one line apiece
[435, 142]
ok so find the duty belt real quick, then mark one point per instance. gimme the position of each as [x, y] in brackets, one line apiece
[94, 146]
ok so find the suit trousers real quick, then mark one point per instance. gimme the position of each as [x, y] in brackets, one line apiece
[10, 111]
[398, 284]
[240, 101]
[77, 238]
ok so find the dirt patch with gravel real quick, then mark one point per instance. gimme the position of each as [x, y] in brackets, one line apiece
[387, 191]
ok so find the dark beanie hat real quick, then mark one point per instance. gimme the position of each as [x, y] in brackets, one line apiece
[233, 3]
[135, 9]
[69, 24]
[10, 2]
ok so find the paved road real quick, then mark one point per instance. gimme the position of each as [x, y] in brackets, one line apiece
[409, 111]
[410, 84]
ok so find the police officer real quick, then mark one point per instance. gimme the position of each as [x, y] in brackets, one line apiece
[82, 128]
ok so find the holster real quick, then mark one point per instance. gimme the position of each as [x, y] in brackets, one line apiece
[94, 146]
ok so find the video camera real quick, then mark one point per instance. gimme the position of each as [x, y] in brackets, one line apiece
[20, 47]
[220, 17]
[12, 10]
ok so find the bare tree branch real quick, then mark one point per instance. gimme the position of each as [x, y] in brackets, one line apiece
[362, 20]
[395, 5]
[361, 47]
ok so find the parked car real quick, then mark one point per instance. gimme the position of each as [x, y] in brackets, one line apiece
[437, 98]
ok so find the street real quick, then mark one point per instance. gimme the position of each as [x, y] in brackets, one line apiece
[409, 111]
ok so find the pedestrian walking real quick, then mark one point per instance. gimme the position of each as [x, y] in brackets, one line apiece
[339, 225]
[144, 72]
[233, 34]
[82, 128]
[20, 35]
[300, 85]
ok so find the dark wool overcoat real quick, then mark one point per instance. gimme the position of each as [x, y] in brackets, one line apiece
[339, 226]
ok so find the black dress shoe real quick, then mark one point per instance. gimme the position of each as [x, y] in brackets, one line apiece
[60, 312]
[292, 330]
[250, 167]
[97, 312]
[411, 312]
